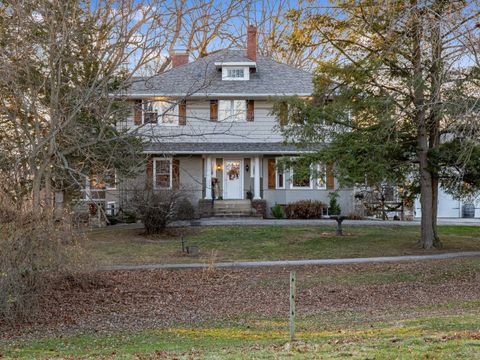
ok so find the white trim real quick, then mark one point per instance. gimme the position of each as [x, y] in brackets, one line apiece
[256, 180]
[242, 190]
[276, 177]
[236, 63]
[155, 159]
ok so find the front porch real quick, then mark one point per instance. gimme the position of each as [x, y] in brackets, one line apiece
[232, 177]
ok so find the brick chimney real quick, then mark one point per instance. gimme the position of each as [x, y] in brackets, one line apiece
[179, 57]
[252, 42]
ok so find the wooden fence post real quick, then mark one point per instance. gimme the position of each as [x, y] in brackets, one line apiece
[293, 280]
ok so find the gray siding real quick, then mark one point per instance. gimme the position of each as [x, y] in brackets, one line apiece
[200, 128]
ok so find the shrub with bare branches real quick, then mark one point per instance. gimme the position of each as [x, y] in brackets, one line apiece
[157, 208]
[34, 247]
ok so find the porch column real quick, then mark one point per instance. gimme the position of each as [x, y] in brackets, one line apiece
[256, 184]
[208, 180]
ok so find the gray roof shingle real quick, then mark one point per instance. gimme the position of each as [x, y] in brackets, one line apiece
[205, 148]
[202, 78]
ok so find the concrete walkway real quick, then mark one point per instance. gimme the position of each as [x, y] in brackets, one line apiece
[313, 222]
[287, 263]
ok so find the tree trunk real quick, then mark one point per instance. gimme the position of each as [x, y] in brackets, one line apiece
[436, 78]
[426, 194]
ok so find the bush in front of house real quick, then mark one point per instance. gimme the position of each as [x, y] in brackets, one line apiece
[277, 211]
[185, 210]
[334, 207]
[158, 208]
[304, 209]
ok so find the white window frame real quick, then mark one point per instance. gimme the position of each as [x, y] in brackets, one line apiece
[155, 187]
[162, 112]
[226, 76]
[277, 176]
[114, 207]
[293, 187]
[233, 117]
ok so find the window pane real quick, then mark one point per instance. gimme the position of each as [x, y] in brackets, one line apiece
[301, 176]
[149, 112]
[224, 109]
[240, 109]
[168, 111]
[162, 174]
[280, 180]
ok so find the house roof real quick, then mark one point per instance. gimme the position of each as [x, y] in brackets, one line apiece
[201, 78]
[225, 148]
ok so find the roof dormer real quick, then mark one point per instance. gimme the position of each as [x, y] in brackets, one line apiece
[236, 70]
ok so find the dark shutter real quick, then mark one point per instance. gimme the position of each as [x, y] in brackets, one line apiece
[175, 174]
[137, 112]
[182, 113]
[283, 116]
[330, 178]
[250, 110]
[149, 179]
[213, 110]
[271, 173]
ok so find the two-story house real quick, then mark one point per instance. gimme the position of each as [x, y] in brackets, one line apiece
[209, 124]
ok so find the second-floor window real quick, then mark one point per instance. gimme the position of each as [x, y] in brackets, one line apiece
[232, 110]
[160, 112]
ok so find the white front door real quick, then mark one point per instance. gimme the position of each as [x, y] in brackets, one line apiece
[232, 179]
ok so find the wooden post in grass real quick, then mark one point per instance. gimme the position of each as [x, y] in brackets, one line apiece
[293, 280]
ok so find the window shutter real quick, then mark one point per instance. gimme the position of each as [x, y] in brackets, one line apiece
[175, 174]
[137, 112]
[283, 116]
[182, 113]
[149, 179]
[250, 110]
[330, 178]
[213, 110]
[271, 173]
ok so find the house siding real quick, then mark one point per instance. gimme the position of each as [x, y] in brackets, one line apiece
[200, 128]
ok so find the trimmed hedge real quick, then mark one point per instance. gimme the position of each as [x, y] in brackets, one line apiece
[304, 209]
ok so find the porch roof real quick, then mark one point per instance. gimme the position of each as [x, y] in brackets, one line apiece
[227, 148]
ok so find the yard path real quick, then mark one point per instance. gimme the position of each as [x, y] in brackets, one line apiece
[252, 221]
[287, 263]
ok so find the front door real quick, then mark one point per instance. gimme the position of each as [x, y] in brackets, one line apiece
[232, 179]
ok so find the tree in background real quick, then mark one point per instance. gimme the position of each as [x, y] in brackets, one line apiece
[396, 97]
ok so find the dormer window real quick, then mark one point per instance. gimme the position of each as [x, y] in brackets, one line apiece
[235, 73]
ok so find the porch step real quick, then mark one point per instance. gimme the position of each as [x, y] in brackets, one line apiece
[232, 208]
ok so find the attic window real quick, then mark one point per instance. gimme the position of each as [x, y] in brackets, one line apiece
[235, 73]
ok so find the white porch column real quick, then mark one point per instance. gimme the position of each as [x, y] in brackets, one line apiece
[208, 180]
[256, 184]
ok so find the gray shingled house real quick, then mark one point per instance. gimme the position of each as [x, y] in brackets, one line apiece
[211, 119]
